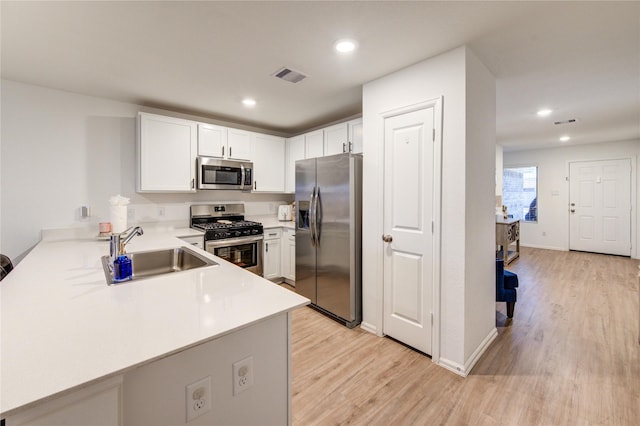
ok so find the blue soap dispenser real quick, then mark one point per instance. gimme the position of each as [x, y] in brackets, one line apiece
[122, 268]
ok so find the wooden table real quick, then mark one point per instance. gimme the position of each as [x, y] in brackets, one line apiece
[508, 239]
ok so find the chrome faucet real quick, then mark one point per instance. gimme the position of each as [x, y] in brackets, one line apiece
[116, 246]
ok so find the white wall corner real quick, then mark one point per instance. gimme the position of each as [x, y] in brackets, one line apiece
[371, 328]
[480, 350]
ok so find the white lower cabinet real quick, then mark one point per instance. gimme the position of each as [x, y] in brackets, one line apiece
[99, 404]
[289, 255]
[271, 254]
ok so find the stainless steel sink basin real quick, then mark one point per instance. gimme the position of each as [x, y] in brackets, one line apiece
[147, 264]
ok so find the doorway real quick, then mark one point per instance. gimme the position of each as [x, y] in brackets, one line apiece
[411, 216]
[600, 206]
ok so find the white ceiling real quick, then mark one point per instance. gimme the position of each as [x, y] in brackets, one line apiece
[581, 59]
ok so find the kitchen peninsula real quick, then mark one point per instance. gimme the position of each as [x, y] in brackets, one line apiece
[75, 348]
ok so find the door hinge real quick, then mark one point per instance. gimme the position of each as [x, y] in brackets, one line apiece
[433, 135]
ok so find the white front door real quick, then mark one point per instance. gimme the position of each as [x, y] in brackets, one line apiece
[600, 206]
[408, 233]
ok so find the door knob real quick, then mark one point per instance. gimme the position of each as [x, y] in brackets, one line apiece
[387, 238]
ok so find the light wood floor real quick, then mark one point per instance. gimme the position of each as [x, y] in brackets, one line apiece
[570, 356]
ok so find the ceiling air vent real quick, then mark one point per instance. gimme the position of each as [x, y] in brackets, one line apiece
[287, 74]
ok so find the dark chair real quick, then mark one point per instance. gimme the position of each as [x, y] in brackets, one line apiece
[506, 283]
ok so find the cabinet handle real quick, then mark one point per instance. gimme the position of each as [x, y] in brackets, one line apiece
[272, 235]
[223, 150]
[255, 184]
[193, 183]
[350, 147]
[230, 155]
[344, 147]
[266, 247]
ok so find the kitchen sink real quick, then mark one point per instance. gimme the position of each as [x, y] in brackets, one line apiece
[148, 264]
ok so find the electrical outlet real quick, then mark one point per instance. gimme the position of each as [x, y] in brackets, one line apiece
[242, 375]
[198, 398]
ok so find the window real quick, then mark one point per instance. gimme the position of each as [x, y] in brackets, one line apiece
[520, 192]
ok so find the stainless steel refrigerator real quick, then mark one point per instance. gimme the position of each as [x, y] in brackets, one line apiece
[328, 235]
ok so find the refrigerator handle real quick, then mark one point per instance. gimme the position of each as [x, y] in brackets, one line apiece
[318, 216]
[312, 216]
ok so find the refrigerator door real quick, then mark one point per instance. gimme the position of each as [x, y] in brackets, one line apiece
[305, 247]
[335, 245]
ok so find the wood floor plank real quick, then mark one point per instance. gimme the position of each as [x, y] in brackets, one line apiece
[570, 355]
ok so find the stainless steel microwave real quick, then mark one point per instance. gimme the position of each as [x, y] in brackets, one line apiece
[214, 173]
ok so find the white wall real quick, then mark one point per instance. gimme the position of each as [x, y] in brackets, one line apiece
[61, 151]
[552, 229]
[443, 75]
[480, 212]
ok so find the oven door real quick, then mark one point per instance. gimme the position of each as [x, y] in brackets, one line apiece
[245, 252]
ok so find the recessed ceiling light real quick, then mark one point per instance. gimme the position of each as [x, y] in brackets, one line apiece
[544, 112]
[346, 45]
[564, 139]
[248, 102]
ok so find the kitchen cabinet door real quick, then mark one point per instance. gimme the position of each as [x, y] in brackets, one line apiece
[355, 135]
[295, 152]
[212, 140]
[268, 164]
[167, 149]
[336, 139]
[314, 144]
[99, 404]
[271, 255]
[289, 254]
[239, 144]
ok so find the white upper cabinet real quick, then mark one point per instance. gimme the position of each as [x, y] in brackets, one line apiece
[314, 144]
[336, 139]
[166, 151]
[239, 145]
[212, 140]
[355, 135]
[268, 163]
[295, 152]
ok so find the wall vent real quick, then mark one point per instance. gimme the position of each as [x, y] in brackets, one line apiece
[290, 75]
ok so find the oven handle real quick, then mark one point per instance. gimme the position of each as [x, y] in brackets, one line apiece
[233, 241]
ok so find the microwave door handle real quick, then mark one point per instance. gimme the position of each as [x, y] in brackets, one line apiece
[241, 176]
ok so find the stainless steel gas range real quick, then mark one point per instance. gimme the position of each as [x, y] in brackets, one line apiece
[228, 235]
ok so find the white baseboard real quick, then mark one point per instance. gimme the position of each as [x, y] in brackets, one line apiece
[369, 327]
[452, 366]
[464, 370]
[543, 247]
[475, 356]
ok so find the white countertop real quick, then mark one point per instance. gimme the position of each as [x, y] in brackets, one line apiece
[272, 222]
[63, 327]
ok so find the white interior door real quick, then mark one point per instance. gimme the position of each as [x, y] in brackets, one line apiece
[600, 206]
[408, 232]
